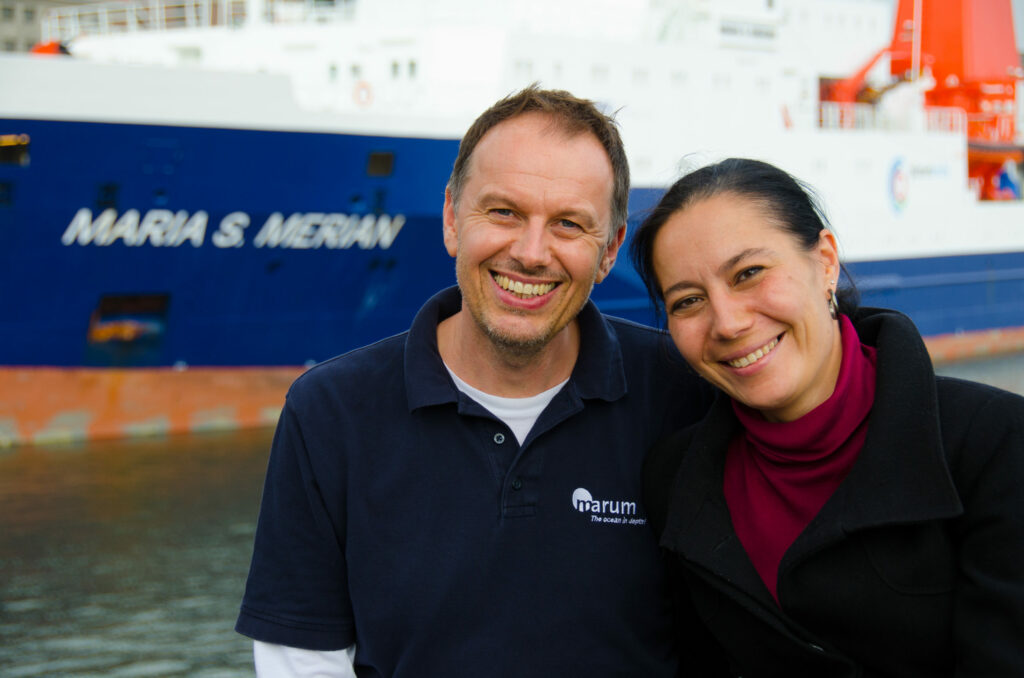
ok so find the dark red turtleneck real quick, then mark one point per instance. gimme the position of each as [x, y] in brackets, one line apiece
[778, 475]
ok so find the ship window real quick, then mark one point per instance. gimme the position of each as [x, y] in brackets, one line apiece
[127, 330]
[7, 13]
[106, 196]
[356, 70]
[30, 15]
[412, 69]
[14, 149]
[380, 164]
[394, 69]
[6, 194]
[10, 45]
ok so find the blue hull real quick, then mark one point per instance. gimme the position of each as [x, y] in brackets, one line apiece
[233, 247]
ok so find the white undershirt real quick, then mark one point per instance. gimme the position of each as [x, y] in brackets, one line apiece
[281, 661]
[519, 414]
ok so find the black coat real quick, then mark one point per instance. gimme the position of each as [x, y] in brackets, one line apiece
[914, 566]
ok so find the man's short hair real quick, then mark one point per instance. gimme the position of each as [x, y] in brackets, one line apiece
[574, 116]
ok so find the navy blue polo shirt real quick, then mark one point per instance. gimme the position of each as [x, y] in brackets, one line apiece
[400, 515]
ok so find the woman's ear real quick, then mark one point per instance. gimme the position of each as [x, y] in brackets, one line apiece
[828, 253]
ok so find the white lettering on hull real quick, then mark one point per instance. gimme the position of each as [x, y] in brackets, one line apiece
[300, 230]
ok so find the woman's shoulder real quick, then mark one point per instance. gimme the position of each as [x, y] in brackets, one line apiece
[660, 469]
[973, 406]
[666, 454]
[982, 430]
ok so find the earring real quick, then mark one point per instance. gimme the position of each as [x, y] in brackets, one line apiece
[833, 303]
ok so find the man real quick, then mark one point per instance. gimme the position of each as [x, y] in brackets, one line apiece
[464, 499]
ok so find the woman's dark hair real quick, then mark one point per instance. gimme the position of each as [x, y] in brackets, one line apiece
[790, 202]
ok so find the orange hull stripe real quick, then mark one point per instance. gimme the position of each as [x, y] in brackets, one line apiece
[51, 404]
[54, 404]
[951, 348]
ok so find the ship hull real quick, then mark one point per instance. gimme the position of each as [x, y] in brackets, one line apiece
[209, 265]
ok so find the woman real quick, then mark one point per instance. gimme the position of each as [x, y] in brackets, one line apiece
[841, 511]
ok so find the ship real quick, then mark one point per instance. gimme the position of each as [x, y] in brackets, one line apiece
[201, 198]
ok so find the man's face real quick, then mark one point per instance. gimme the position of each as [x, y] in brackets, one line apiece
[532, 233]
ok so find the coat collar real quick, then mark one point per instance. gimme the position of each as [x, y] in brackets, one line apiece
[900, 476]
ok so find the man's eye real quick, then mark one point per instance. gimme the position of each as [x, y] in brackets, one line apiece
[568, 223]
[501, 212]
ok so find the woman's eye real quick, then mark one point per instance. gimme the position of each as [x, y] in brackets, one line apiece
[684, 304]
[748, 273]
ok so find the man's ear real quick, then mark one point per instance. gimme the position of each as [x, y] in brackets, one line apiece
[611, 251]
[451, 234]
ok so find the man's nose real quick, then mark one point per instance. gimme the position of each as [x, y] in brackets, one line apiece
[532, 247]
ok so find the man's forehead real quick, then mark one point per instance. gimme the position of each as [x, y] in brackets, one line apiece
[530, 124]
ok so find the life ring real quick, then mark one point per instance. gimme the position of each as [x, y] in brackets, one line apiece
[362, 94]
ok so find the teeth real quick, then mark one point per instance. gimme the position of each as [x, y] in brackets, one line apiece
[523, 290]
[753, 357]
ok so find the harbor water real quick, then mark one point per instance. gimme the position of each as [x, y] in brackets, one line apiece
[128, 558]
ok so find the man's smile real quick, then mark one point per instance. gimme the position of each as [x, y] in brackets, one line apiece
[523, 290]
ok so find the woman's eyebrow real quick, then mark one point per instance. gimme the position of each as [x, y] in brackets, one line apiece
[722, 270]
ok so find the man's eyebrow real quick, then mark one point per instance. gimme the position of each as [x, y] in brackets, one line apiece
[495, 196]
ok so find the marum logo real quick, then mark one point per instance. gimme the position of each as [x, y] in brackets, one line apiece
[584, 502]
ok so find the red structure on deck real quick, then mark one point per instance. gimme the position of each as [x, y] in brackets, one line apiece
[968, 48]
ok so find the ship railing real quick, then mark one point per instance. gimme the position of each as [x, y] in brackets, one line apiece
[836, 116]
[945, 119]
[70, 21]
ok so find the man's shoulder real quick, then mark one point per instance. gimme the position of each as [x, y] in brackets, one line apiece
[630, 330]
[355, 370]
[644, 346]
[656, 371]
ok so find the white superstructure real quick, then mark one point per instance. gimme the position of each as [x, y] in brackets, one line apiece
[691, 81]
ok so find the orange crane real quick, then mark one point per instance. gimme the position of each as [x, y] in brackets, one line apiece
[968, 48]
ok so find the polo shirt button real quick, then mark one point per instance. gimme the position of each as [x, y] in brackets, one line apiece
[499, 438]
[517, 484]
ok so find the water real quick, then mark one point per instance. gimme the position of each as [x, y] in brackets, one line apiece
[128, 558]
[1006, 372]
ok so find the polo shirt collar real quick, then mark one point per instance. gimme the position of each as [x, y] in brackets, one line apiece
[598, 373]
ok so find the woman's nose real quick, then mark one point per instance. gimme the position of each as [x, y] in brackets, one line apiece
[730, 316]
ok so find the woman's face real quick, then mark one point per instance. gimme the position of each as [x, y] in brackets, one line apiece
[748, 307]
